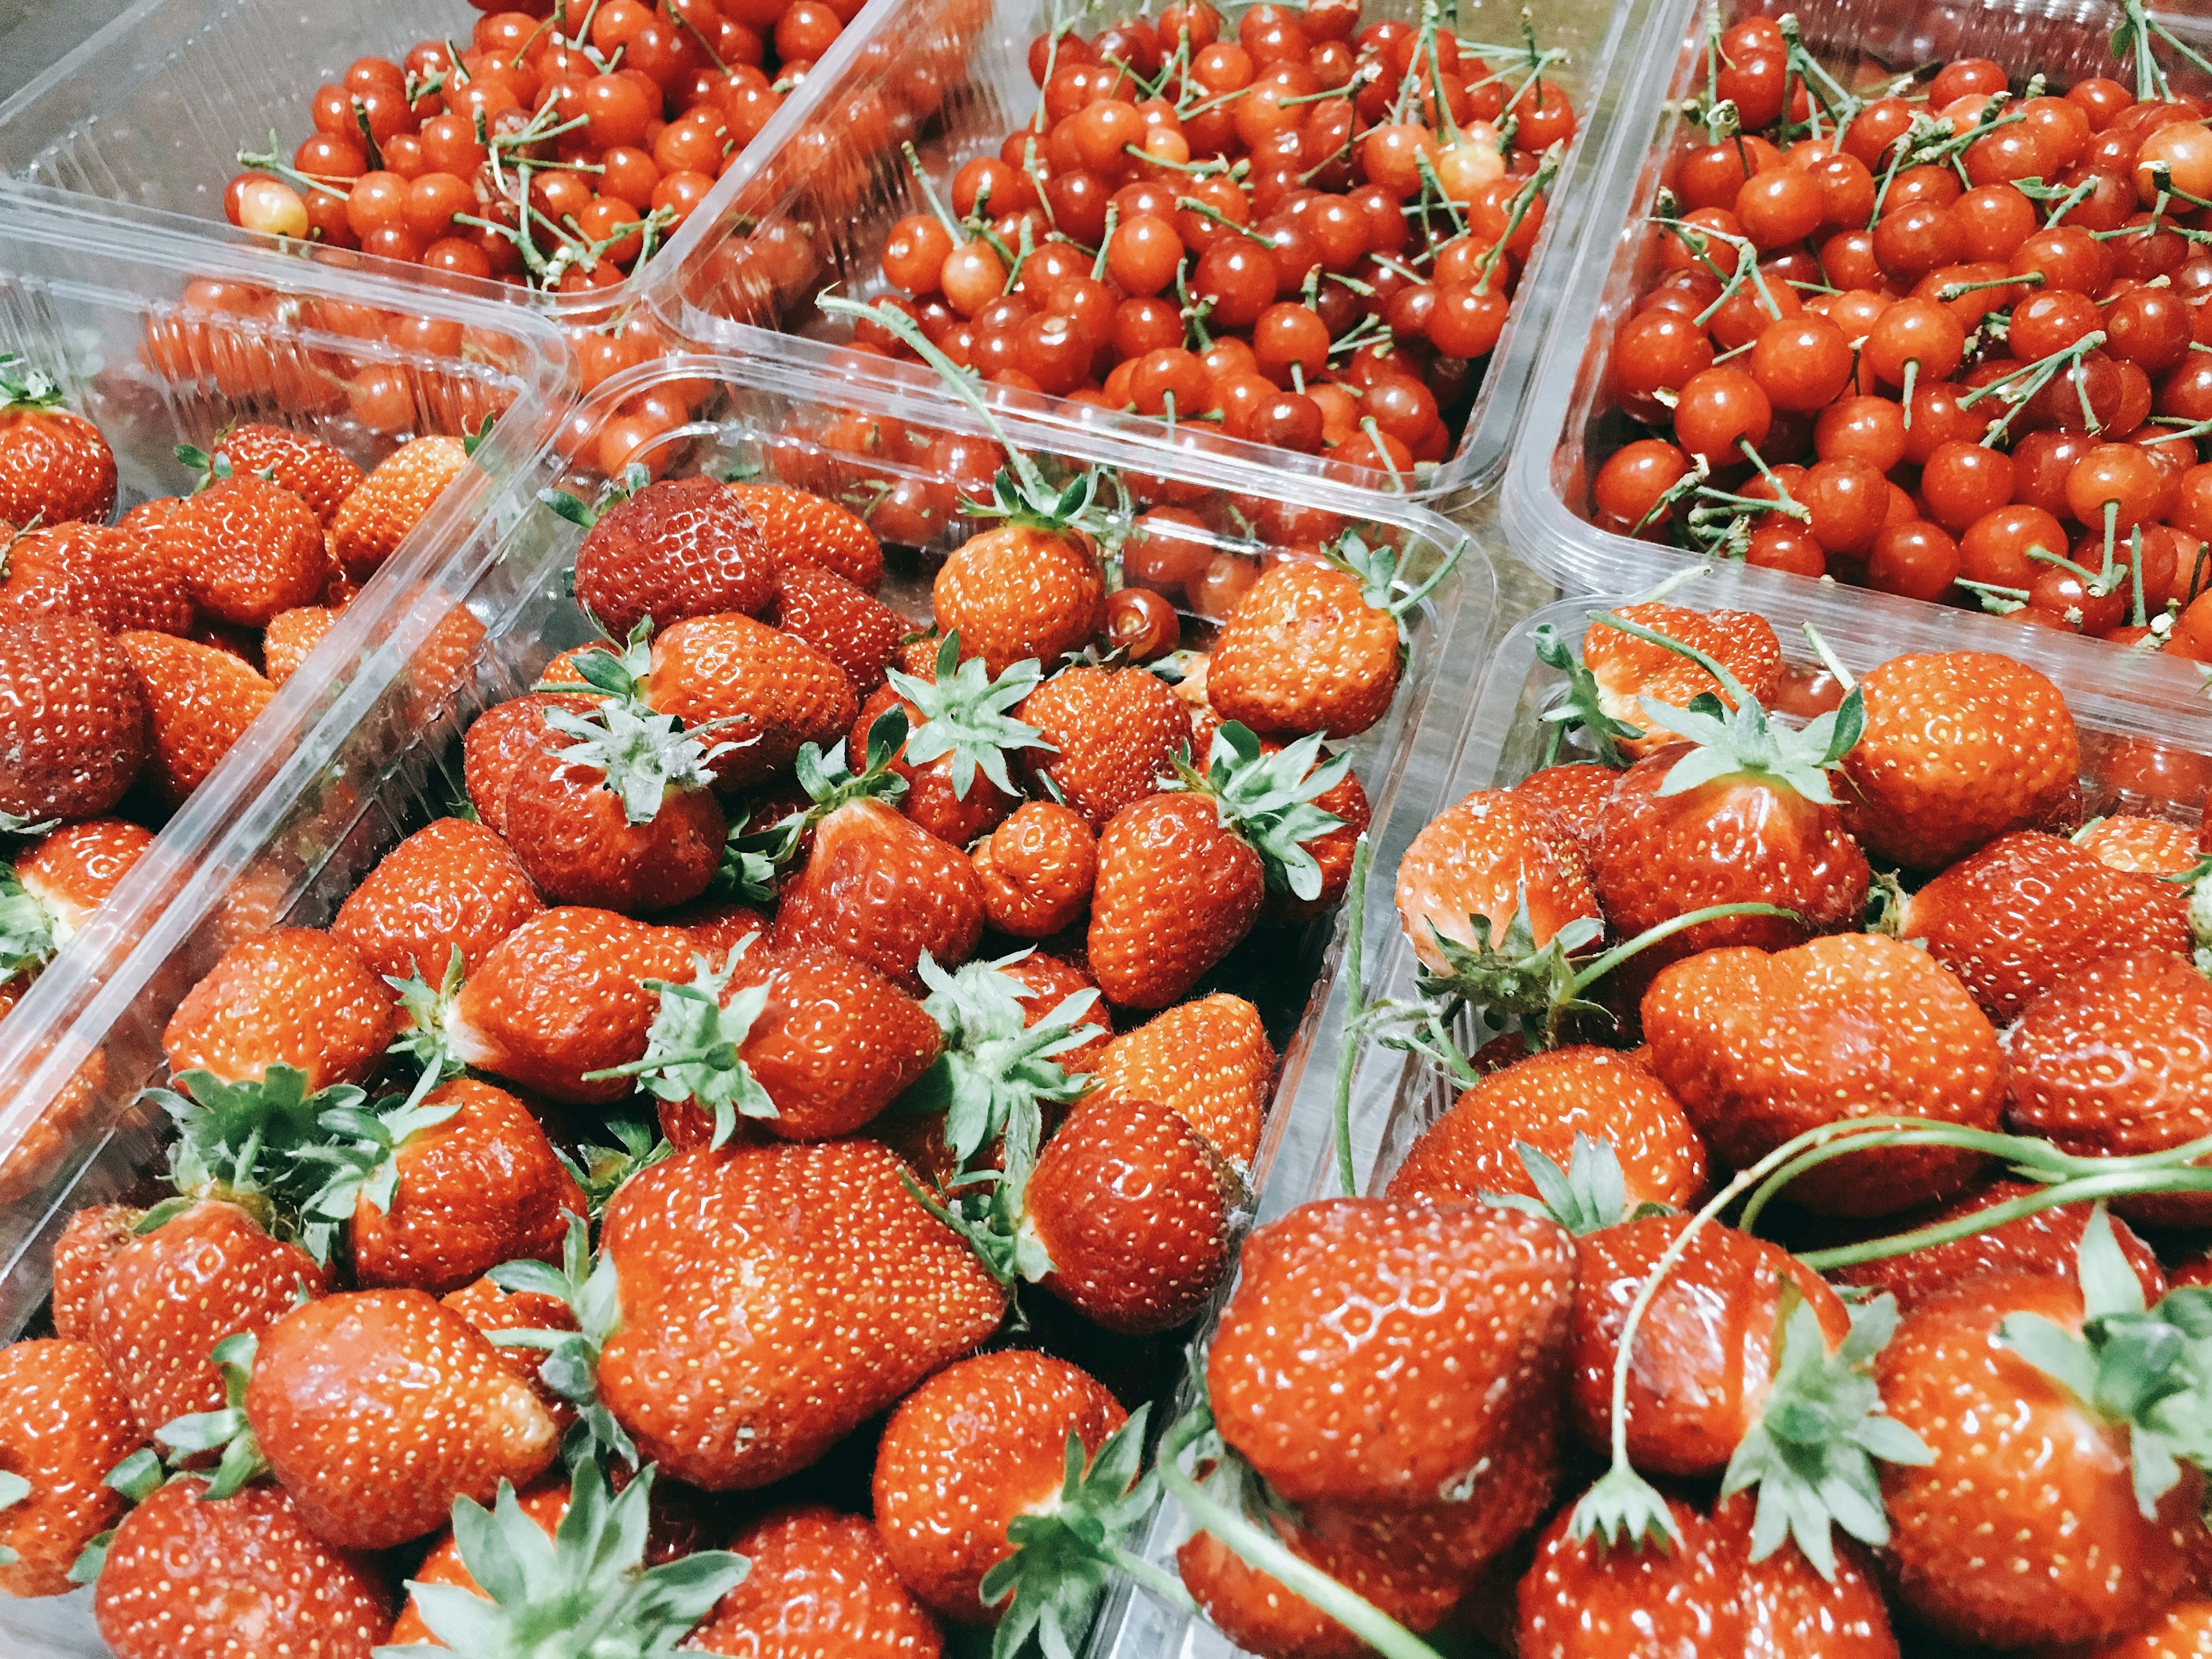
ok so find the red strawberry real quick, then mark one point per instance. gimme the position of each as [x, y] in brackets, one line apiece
[452, 885]
[821, 1587]
[958, 736]
[232, 1576]
[883, 890]
[115, 577]
[1029, 588]
[63, 1425]
[563, 995]
[1036, 869]
[775, 693]
[54, 465]
[1465, 1318]
[295, 997]
[81, 1256]
[450, 1419]
[1759, 1048]
[490, 1309]
[678, 548]
[2029, 909]
[319, 473]
[2143, 847]
[68, 874]
[1959, 747]
[1485, 856]
[73, 717]
[379, 512]
[199, 701]
[1627, 669]
[2183, 1631]
[291, 637]
[178, 1289]
[500, 738]
[851, 627]
[2047, 1240]
[249, 550]
[1113, 733]
[802, 529]
[1576, 794]
[1547, 1102]
[1208, 1060]
[717, 927]
[976, 1447]
[773, 1300]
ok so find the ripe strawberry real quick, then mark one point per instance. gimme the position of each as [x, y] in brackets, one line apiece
[199, 701]
[1113, 732]
[1030, 587]
[775, 693]
[63, 1425]
[976, 1448]
[81, 1254]
[1208, 1060]
[2047, 1240]
[232, 1576]
[1959, 747]
[115, 577]
[801, 529]
[498, 739]
[452, 885]
[2183, 1631]
[883, 890]
[378, 512]
[56, 1136]
[1036, 869]
[563, 995]
[1576, 793]
[1183, 874]
[1547, 1102]
[148, 516]
[62, 879]
[678, 548]
[1626, 669]
[773, 1300]
[851, 627]
[54, 465]
[319, 473]
[73, 719]
[958, 736]
[1487, 856]
[295, 997]
[452, 1421]
[716, 927]
[821, 1587]
[490, 1309]
[2029, 909]
[1468, 1318]
[182, 1285]
[1759, 1048]
[2143, 847]
[291, 637]
[249, 549]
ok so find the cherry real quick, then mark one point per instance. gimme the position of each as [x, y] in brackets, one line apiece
[1802, 364]
[1962, 483]
[1917, 560]
[1719, 410]
[1848, 500]
[1866, 428]
[1629, 484]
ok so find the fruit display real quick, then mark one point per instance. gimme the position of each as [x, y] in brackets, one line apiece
[1936, 334]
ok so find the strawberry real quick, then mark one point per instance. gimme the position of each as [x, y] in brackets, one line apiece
[52, 889]
[490, 1309]
[2183, 1631]
[319, 473]
[1109, 734]
[1575, 793]
[73, 719]
[1315, 645]
[450, 1419]
[378, 512]
[184, 1283]
[1208, 1060]
[562, 996]
[614, 810]
[678, 548]
[1043, 982]
[773, 1300]
[1759, 1048]
[774, 693]
[1036, 869]
[1183, 874]
[54, 465]
[1466, 1312]
[499, 739]
[1959, 747]
[451, 885]
[821, 1586]
[716, 927]
[2143, 847]
[295, 997]
[1475, 866]
[1625, 667]
[798, 528]
[958, 736]
[58, 1136]
[1546, 1102]
[81, 1254]
[2115, 1060]
[199, 701]
[232, 1576]
[115, 577]
[2045, 1241]
[63, 1425]
[974, 1451]
[1030, 587]
[291, 638]
[2029, 909]
[249, 549]
[148, 516]
[849, 625]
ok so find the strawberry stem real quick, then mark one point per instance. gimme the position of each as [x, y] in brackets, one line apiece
[1347, 1058]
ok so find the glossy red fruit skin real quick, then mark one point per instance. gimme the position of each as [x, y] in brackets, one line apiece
[1479, 857]
[882, 890]
[2048, 1241]
[1304, 652]
[452, 883]
[65, 1422]
[1175, 892]
[679, 548]
[821, 1587]
[572, 834]
[75, 728]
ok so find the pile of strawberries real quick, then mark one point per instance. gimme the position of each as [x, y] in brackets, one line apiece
[807, 1016]
[1932, 336]
[1305, 232]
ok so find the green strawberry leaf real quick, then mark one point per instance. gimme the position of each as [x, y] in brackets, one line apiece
[691, 1048]
[963, 715]
[1067, 1557]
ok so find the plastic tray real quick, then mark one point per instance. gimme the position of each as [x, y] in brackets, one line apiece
[384, 759]
[1568, 424]
[807, 224]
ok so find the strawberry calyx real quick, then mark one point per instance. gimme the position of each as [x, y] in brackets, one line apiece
[964, 716]
[601, 1170]
[584, 514]
[587, 1286]
[226, 1428]
[14, 823]
[239, 1141]
[748, 868]
[1268, 800]
[138, 1477]
[1376, 568]
[1588, 1196]
[30, 932]
[363, 1162]
[1580, 706]
[23, 386]
[829, 782]
[691, 1047]
[609, 670]
[586, 1589]
[426, 1037]
[2197, 879]
[640, 755]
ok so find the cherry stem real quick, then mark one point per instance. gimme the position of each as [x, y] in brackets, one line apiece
[929, 193]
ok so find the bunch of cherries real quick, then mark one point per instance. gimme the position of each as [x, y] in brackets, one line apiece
[1302, 230]
[1945, 339]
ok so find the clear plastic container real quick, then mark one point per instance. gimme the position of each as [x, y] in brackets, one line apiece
[383, 757]
[1570, 425]
[818, 216]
